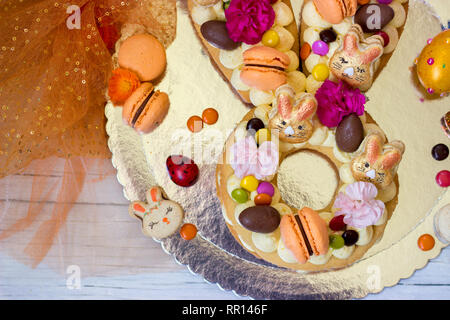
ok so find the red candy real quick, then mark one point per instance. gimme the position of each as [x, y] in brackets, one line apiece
[443, 178]
[182, 170]
[337, 223]
[385, 37]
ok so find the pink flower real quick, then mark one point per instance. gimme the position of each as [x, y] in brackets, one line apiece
[337, 100]
[248, 160]
[247, 20]
[358, 205]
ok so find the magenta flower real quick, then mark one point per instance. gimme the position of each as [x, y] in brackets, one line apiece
[247, 20]
[358, 205]
[337, 100]
[249, 160]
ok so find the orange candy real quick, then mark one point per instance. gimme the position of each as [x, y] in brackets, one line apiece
[263, 199]
[188, 231]
[363, 2]
[426, 242]
[121, 85]
[210, 116]
[195, 124]
[305, 51]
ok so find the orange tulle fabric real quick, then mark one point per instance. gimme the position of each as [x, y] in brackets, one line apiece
[55, 62]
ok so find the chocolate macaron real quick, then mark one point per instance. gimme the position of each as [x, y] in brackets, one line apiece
[264, 68]
[304, 234]
[146, 108]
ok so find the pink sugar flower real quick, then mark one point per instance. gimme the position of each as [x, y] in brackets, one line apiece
[337, 100]
[358, 205]
[247, 20]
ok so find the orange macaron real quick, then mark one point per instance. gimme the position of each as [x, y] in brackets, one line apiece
[334, 11]
[304, 234]
[264, 68]
[144, 55]
[146, 108]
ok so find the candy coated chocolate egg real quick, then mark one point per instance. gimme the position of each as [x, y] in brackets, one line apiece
[443, 178]
[188, 231]
[336, 241]
[374, 16]
[262, 219]
[216, 33]
[349, 133]
[263, 199]
[337, 223]
[239, 195]
[182, 170]
[320, 72]
[270, 38]
[210, 116]
[266, 187]
[435, 77]
[305, 51]
[320, 47]
[350, 237]
[249, 183]
[384, 1]
[385, 37]
[255, 124]
[328, 35]
[426, 242]
[440, 152]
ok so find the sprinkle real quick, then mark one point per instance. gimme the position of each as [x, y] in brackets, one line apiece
[429, 40]
[430, 90]
[430, 61]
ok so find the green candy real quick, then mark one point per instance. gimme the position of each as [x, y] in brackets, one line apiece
[239, 195]
[336, 241]
[226, 4]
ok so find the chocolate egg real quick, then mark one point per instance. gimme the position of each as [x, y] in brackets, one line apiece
[374, 16]
[182, 170]
[349, 133]
[433, 64]
[216, 33]
[262, 219]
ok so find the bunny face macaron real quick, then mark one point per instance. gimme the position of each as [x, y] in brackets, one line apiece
[264, 68]
[378, 162]
[160, 218]
[293, 117]
[354, 61]
[305, 234]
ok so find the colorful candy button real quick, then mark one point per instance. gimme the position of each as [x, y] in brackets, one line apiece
[305, 51]
[426, 242]
[385, 37]
[336, 241]
[188, 231]
[210, 116]
[249, 183]
[262, 135]
[270, 38]
[266, 187]
[320, 47]
[263, 199]
[328, 35]
[363, 2]
[350, 237]
[320, 72]
[443, 178]
[384, 1]
[337, 223]
[239, 195]
[195, 124]
[440, 152]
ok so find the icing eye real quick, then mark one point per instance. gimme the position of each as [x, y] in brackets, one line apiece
[169, 209]
[367, 165]
[360, 70]
[300, 127]
[342, 60]
[152, 224]
[283, 123]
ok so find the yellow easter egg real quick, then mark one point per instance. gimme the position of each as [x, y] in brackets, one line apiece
[433, 64]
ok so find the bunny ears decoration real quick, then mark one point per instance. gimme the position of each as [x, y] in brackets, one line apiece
[292, 116]
[160, 218]
[378, 162]
[354, 62]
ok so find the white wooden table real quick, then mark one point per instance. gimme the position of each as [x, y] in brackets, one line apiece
[139, 269]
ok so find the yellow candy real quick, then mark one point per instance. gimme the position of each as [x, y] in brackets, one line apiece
[270, 39]
[249, 183]
[262, 135]
[433, 64]
[320, 72]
